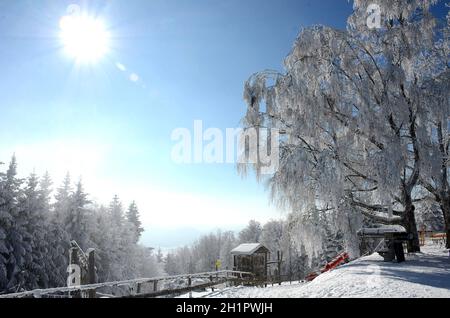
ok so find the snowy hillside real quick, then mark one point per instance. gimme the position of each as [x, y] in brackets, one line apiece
[426, 274]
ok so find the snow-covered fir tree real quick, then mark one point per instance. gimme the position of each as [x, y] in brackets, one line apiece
[33, 207]
[56, 237]
[133, 218]
[35, 234]
[18, 245]
[77, 217]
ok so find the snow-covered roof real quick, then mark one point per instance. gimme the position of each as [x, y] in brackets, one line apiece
[382, 230]
[247, 249]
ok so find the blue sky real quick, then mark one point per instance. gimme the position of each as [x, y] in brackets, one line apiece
[191, 57]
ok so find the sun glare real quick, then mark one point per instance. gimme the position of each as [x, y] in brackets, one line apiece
[84, 38]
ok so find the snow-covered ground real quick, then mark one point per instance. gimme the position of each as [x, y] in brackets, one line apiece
[423, 275]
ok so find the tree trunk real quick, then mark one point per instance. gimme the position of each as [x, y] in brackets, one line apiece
[411, 228]
[445, 207]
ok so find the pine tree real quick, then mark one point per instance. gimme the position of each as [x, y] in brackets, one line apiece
[18, 241]
[116, 211]
[171, 265]
[102, 241]
[58, 239]
[62, 197]
[133, 218]
[77, 218]
[36, 226]
[5, 225]
[121, 241]
[159, 256]
[35, 235]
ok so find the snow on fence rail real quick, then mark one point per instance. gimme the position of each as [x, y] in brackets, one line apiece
[220, 276]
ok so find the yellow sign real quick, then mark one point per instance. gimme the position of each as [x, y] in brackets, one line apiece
[218, 264]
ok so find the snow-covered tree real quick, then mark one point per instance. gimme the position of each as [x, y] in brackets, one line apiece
[116, 211]
[62, 199]
[350, 108]
[159, 256]
[121, 241]
[133, 219]
[35, 234]
[16, 248]
[171, 265]
[435, 171]
[203, 254]
[56, 260]
[228, 243]
[77, 218]
[252, 233]
[101, 242]
[415, 50]
[146, 264]
[6, 221]
[206, 252]
[272, 236]
[37, 274]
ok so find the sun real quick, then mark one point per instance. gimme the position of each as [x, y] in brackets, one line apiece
[84, 38]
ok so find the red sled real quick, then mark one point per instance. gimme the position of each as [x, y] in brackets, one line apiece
[337, 261]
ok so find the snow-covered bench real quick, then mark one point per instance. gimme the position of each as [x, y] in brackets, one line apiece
[393, 235]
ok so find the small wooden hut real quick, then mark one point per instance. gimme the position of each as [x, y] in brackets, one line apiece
[251, 258]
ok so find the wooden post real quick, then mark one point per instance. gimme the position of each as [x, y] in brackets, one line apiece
[138, 288]
[190, 284]
[266, 269]
[211, 279]
[74, 260]
[73, 257]
[92, 275]
[279, 257]
[155, 286]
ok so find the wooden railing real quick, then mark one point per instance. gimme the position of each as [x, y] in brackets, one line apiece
[135, 286]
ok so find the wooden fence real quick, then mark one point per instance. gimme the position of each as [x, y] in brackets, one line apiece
[135, 287]
[82, 282]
